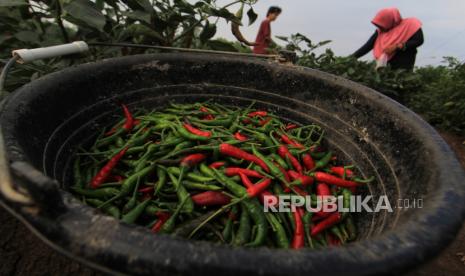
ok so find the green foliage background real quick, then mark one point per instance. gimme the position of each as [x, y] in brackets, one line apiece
[437, 93]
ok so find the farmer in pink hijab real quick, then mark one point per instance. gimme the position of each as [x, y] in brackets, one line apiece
[395, 40]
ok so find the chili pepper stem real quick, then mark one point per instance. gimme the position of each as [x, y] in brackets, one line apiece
[219, 211]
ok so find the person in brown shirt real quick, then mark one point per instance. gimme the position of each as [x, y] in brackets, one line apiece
[263, 40]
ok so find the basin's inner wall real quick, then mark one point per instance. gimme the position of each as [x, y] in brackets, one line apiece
[64, 112]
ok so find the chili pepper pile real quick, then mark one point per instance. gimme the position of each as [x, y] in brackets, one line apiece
[203, 171]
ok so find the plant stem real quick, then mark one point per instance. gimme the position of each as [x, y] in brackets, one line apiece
[60, 22]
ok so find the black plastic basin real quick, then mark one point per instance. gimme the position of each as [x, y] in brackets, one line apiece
[43, 122]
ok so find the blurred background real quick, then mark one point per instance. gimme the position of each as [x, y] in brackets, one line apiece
[347, 24]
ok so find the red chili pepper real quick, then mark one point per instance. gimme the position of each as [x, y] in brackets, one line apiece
[248, 184]
[129, 123]
[283, 151]
[235, 152]
[259, 187]
[232, 171]
[264, 121]
[303, 179]
[308, 161]
[290, 127]
[340, 171]
[322, 190]
[298, 240]
[320, 215]
[211, 198]
[299, 191]
[162, 218]
[197, 131]
[246, 121]
[104, 173]
[258, 113]
[110, 132]
[334, 180]
[146, 190]
[193, 159]
[286, 177]
[333, 241]
[208, 117]
[217, 165]
[291, 142]
[204, 109]
[240, 137]
[326, 223]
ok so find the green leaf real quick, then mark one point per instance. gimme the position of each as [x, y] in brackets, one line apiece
[322, 43]
[220, 45]
[84, 12]
[139, 5]
[449, 104]
[27, 36]
[145, 4]
[208, 32]
[138, 15]
[252, 16]
[140, 30]
[283, 38]
[11, 3]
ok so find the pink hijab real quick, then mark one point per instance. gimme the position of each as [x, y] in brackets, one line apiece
[398, 30]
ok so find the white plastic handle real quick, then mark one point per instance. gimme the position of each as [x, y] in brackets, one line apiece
[28, 55]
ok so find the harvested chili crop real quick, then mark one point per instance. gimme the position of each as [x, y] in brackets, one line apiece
[203, 171]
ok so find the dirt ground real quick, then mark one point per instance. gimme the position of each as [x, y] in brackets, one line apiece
[21, 253]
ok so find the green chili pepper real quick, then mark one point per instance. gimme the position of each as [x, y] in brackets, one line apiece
[346, 194]
[135, 213]
[206, 170]
[130, 182]
[232, 186]
[217, 122]
[280, 233]
[168, 226]
[119, 142]
[279, 160]
[111, 210]
[161, 173]
[133, 201]
[101, 193]
[274, 170]
[257, 215]
[142, 162]
[191, 176]
[335, 230]
[183, 145]
[182, 194]
[350, 226]
[228, 228]
[152, 209]
[200, 186]
[307, 219]
[244, 231]
[323, 162]
[343, 230]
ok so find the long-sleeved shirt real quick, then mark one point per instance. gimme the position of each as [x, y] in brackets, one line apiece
[263, 38]
[404, 58]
